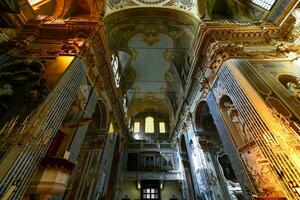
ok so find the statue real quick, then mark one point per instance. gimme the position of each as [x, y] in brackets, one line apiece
[72, 46]
[6, 90]
[294, 88]
[238, 123]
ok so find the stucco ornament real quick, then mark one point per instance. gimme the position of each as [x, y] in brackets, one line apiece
[219, 90]
[260, 170]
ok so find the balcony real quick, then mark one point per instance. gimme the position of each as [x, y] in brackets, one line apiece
[52, 178]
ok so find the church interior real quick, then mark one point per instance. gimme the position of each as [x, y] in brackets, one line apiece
[149, 100]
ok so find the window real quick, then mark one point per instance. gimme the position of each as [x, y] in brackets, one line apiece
[136, 127]
[266, 4]
[33, 2]
[115, 69]
[150, 193]
[149, 125]
[162, 127]
[111, 128]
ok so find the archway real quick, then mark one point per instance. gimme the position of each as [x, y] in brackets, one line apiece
[100, 117]
[217, 161]
[291, 83]
[237, 128]
[203, 118]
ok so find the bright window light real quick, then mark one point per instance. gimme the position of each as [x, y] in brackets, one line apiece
[33, 2]
[266, 4]
[149, 125]
[136, 127]
[111, 128]
[162, 127]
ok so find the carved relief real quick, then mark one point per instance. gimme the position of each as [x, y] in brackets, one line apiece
[238, 122]
[219, 53]
[73, 117]
[219, 90]
[291, 83]
[261, 173]
[205, 88]
[183, 4]
[72, 46]
[21, 80]
[151, 33]
[288, 138]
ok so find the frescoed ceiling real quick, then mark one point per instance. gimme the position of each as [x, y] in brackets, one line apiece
[207, 10]
[152, 53]
[150, 64]
[153, 68]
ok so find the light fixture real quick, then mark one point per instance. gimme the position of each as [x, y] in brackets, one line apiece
[138, 185]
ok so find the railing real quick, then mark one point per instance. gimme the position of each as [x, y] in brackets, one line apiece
[174, 175]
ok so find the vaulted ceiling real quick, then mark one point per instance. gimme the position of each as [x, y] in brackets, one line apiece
[153, 41]
[153, 52]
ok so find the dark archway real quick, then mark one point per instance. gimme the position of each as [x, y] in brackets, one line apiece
[211, 144]
[100, 118]
[203, 118]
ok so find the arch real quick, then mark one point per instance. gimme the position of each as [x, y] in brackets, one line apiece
[291, 83]
[104, 115]
[223, 100]
[226, 168]
[237, 127]
[203, 119]
[100, 118]
[284, 79]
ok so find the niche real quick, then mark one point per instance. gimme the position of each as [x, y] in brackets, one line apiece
[291, 83]
[235, 123]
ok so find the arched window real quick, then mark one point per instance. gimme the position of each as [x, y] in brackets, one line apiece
[149, 125]
[111, 128]
[136, 127]
[162, 127]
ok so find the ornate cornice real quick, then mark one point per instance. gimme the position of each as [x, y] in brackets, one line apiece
[217, 42]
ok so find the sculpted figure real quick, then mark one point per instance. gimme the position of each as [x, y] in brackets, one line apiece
[6, 90]
[294, 88]
[235, 119]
